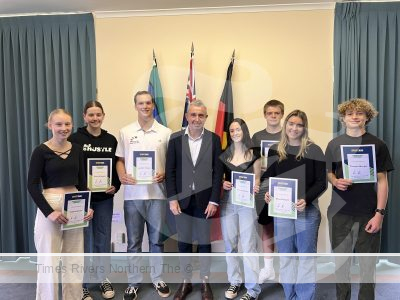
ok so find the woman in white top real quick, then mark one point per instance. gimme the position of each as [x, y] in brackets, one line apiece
[56, 168]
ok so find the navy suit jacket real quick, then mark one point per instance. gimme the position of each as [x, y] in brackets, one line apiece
[180, 173]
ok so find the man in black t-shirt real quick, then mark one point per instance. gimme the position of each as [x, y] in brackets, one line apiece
[273, 114]
[357, 210]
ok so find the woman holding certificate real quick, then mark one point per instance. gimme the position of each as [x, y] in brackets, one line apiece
[297, 177]
[99, 155]
[238, 213]
[56, 168]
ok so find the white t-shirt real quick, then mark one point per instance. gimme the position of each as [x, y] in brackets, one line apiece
[133, 137]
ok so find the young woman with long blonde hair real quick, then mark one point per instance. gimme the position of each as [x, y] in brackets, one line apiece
[297, 157]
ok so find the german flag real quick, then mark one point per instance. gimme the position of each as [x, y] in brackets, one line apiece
[224, 118]
[225, 108]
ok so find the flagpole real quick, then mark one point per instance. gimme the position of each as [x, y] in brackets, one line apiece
[154, 57]
[190, 88]
[155, 90]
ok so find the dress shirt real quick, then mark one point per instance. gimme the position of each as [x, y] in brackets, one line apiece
[194, 146]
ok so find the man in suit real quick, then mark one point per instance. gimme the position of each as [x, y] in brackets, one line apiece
[194, 178]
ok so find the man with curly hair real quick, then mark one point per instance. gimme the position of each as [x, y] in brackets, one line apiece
[356, 210]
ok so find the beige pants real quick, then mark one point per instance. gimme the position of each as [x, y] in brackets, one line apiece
[49, 238]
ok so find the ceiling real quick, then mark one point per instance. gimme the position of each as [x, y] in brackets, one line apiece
[21, 7]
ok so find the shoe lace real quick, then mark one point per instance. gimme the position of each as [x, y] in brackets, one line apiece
[161, 284]
[131, 290]
[246, 297]
[85, 293]
[232, 288]
[106, 286]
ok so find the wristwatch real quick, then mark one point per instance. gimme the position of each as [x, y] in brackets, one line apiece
[381, 211]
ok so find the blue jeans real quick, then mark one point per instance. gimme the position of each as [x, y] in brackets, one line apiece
[137, 213]
[239, 220]
[298, 274]
[97, 239]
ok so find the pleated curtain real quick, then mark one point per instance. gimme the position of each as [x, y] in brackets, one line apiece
[367, 65]
[46, 62]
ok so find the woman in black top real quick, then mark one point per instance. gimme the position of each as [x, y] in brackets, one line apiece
[56, 168]
[297, 157]
[98, 143]
[240, 220]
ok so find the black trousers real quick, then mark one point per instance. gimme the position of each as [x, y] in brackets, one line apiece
[192, 225]
[347, 235]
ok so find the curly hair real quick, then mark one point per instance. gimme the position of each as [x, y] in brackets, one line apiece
[358, 104]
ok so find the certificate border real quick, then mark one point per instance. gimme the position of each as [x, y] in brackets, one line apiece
[90, 176]
[87, 206]
[153, 165]
[271, 208]
[264, 158]
[345, 167]
[233, 194]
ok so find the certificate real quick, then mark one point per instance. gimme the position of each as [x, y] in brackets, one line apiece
[265, 145]
[283, 193]
[144, 166]
[99, 174]
[359, 163]
[243, 189]
[76, 206]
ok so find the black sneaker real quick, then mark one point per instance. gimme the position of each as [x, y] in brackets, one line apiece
[162, 289]
[107, 290]
[131, 293]
[247, 297]
[232, 291]
[86, 295]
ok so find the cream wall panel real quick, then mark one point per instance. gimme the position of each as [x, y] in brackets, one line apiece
[283, 55]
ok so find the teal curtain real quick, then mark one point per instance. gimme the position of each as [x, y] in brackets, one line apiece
[367, 65]
[46, 62]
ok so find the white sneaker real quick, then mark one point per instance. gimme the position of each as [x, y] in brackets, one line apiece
[107, 290]
[162, 289]
[86, 295]
[266, 274]
[232, 291]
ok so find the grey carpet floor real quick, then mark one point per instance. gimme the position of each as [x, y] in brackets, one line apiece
[273, 291]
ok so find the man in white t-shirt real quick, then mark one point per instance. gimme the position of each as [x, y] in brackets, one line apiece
[144, 203]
